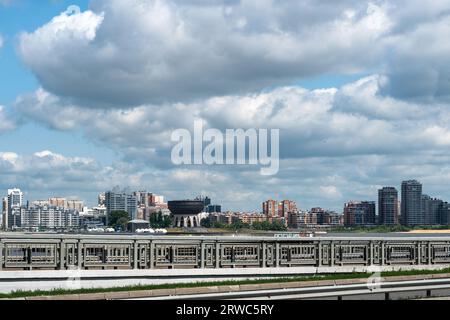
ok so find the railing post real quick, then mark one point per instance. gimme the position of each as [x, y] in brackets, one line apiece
[277, 254]
[419, 253]
[62, 255]
[319, 264]
[152, 255]
[430, 256]
[217, 255]
[2, 254]
[332, 254]
[135, 255]
[382, 253]
[367, 255]
[264, 249]
[80, 257]
[371, 254]
[202, 255]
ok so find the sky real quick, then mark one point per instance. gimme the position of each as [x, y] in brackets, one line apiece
[91, 91]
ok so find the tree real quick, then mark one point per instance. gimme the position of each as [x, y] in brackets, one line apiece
[118, 219]
[206, 223]
[158, 220]
[267, 226]
[239, 225]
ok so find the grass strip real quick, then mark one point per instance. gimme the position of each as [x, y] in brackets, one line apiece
[57, 292]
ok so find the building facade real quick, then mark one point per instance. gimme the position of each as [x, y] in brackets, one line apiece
[214, 208]
[411, 203]
[445, 213]
[285, 207]
[121, 201]
[275, 209]
[4, 213]
[44, 218]
[270, 208]
[431, 210]
[64, 203]
[14, 200]
[388, 205]
[359, 213]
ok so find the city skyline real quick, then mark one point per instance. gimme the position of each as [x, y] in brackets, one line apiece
[363, 108]
[278, 203]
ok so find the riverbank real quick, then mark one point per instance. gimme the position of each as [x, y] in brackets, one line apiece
[427, 232]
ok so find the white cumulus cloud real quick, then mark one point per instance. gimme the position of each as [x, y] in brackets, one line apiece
[125, 53]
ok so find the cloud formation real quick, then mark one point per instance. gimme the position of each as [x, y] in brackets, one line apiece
[353, 120]
[127, 53]
[6, 124]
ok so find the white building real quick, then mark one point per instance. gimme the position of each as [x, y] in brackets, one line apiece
[14, 200]
[44, 218]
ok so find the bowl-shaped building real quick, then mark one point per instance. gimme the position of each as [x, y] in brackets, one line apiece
[185, 213]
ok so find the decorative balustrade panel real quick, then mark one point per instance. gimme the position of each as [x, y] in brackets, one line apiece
[440, 253]
[400, 253]
[298, 255]
[240, 255]
[351, 254]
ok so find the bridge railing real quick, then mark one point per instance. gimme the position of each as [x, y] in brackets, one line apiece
[30, 252]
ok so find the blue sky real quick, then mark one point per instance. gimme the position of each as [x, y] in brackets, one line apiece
[16, 79]
[361, 101]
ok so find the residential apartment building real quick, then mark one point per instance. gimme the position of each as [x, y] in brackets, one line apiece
[359, 213]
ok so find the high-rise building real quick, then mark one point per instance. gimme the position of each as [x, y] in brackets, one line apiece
[431, 210]
[445, 213]
[207, 201]
[275, 209]
[270, 208]
[388, 206]
[411, 205]
[58, 202]
[285, 207]
[359, 213]
[142, 198]
[214, 208]
[77, 205]
[15, 200]
[5, 213]
[121, 201]
[63, 203]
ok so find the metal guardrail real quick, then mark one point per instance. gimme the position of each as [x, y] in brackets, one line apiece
[385, 291]
[64, 252]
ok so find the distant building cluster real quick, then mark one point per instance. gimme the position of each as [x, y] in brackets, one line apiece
[210, 208]
[62, 214]
[411, 208]
[249, 218]
[58, 214]
[314, 218]
[285, 212]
